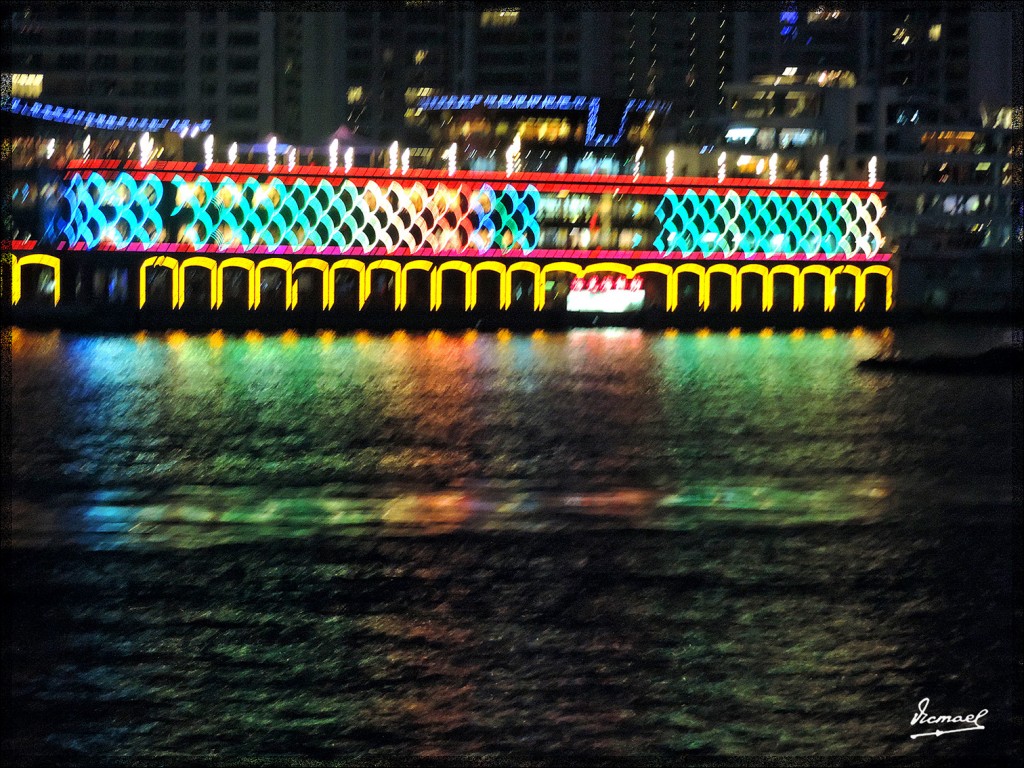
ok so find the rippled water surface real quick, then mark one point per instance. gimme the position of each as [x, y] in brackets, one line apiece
[595, 545]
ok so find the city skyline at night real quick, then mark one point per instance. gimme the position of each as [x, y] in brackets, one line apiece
[421, 382]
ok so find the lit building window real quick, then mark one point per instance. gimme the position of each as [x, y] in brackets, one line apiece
[788, 22]
[26, 86]
[503, 18]
[412, 95]
[934, 32]
[823, 15]
[420, 56]
[355, 94]
[900, 35]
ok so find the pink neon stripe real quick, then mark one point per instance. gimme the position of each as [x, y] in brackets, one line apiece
[538, 253]
[783, 190]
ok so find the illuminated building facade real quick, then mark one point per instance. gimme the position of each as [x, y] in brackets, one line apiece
[369, 66]
[561, 133]
[181, 237]
[899, 89]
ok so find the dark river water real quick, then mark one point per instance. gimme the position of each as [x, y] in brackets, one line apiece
[599, 546]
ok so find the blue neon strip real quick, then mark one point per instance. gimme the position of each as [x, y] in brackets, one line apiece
[41, 111]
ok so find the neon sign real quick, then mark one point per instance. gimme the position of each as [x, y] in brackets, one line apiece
[402, 216]
[271, 215]
[606, 294]
[769, 224]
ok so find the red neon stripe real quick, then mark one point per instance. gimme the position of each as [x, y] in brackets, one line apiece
[655, 184]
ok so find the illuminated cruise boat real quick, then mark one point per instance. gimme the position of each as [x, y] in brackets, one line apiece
[184, 243]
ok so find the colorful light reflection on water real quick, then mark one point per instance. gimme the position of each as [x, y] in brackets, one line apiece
[596, 543]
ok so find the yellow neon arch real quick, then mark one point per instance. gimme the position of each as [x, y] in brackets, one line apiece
[798, 283]
[608, 266]
[736, 286]
[396, 269]
[758, 269]
[321, 266]
[830, 282]
[886, 272]
[403, 282]
[360, 269]
[242, 263]
[699, 271]
[538, 285]
[41, 259]
[462, 267]
[555, 266]
[490, 266]
[206, 263]
[859, 288]
[274, 263]
[671, 286]
[170, 263]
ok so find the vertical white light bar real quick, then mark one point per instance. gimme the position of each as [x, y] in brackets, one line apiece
[291, 158]
[233, 152]
[208, 150]
[272, 153]
[512, 156]
[823, 170]
[873, 171]
[50, 145]
[350, 154]
[405, 161]
[334, 155]
[670, 165]
[721, 168]
[636, 163]
[145, 148]
[452, 154]
[85, 146]
[773, 167]
[393, 158]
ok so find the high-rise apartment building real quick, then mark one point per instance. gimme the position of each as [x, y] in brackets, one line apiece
[372, 64]
[367, 66]
[152, 60]
[229, 66]
[682, 56]
[302, 74]
[921, 96]
[932, 52]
